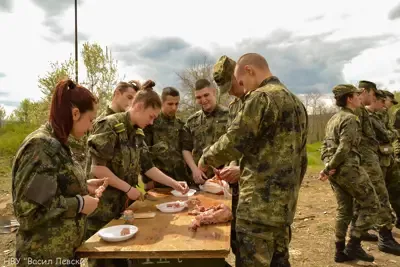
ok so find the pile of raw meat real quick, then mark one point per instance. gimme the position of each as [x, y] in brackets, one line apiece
[213, 215]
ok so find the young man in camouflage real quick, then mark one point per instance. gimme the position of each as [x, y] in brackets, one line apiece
[203, 128]
[224, 77]
[164, 140]
[348, 179]
[368, 149]
[270, 132]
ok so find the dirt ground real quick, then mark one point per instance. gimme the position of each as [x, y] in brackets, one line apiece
[313, 229]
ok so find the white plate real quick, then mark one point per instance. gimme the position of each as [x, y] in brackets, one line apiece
[113, 233]
[163, 207]
[179, 194]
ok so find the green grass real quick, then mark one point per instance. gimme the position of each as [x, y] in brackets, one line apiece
[314, 155]
[11, 137]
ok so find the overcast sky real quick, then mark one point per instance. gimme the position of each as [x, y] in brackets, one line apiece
[310, 45]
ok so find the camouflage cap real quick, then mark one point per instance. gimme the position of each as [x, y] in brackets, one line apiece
[367, 85]
[343, 89]
[222, 74]
[380, 94]
[391, 96]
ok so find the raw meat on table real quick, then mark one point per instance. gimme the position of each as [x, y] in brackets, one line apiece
[213, 215]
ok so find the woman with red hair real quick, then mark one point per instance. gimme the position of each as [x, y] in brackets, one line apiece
[51, 196]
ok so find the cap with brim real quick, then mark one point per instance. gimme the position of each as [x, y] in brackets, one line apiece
[391, 96]
[380, 94]
[344, 89]
[367, 85]
[223, 72]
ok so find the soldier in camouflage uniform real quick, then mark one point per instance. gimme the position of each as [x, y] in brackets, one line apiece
[369, 147]
[50, 192]
[270, 132]
[122, 99]
[118, 150]
[224, 77]
[203, 128]
[350, 181]
[164, 140]
[392, 173]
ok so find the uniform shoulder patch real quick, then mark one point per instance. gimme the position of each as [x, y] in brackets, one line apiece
[119, 127]
[139, 131]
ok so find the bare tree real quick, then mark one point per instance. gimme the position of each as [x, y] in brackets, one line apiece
[198, 70]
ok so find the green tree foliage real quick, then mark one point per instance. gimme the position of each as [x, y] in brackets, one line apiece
[101, 72]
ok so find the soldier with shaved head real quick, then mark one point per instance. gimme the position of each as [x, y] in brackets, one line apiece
[270, 132]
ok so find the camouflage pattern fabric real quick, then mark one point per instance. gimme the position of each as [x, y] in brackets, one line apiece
[339, 151]
[261, 245]
[223, 73]
[120, 146]
[395, 124]
[164, 141]
[369, 149]
[45, 182]
[270, 132]
[202, 130]
[78, 148]
[105, 113]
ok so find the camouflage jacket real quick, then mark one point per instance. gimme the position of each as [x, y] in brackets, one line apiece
[385, 138]
[234, 108]
[120, 146]
[395, 125]
[45, 182]
[165, 145]
[78, 148]
[270, 132]
[202, 130]
[368, 143]
[105, 113]
[342, 137]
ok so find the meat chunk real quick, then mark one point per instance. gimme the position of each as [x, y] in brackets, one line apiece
[125, 231]
[213, 215]
[99, 191]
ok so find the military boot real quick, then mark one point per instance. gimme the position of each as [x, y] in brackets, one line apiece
[340, 256]
[387, 243]
[355, 251]
[369, 237]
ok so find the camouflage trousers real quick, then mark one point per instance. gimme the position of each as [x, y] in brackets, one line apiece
[262, 245]
[352, 186]
[370, 162]
[235, 200]
[392, 180]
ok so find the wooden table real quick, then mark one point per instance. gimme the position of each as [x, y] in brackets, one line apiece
[166, 238]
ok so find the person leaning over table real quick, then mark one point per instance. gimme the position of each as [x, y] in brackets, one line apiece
[270, 132]
[223, 74]
[165, 142]
[118, 151]
[51, 196]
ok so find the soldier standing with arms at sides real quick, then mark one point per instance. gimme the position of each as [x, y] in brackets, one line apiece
[51, 196]
[203, 128]
[224, 77]
[348, 179]
[270, 132]
[118, 151]
[164, 140]
[122, 99]
[392, 175]
[369, 147]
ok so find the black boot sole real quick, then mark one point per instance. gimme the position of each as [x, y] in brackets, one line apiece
[389, 251]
